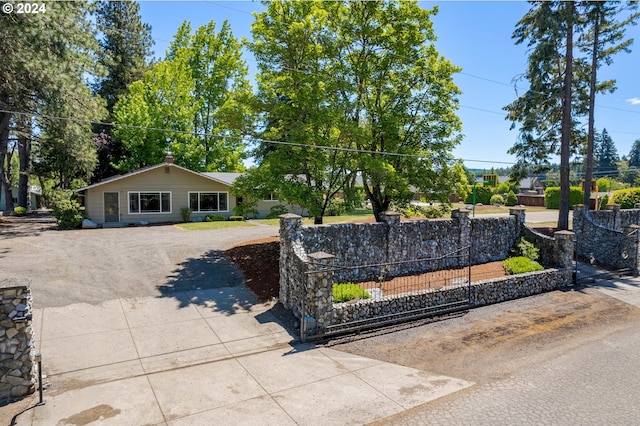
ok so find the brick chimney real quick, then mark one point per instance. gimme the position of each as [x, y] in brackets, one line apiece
[169, 158]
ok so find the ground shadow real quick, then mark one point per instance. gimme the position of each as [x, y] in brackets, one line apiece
[26, 226]
[210, 280]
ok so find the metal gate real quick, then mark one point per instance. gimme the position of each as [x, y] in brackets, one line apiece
[376, 295]
[616, 255]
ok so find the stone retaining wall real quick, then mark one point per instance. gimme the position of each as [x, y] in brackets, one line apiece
[608, 237]
[482, 293]
[311, 259]
[17, 365]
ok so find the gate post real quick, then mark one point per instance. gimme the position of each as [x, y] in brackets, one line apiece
[318, 296]
[632, 232]
[464, 236]
[564, 250]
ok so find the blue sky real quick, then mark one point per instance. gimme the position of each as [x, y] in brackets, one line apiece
[476, 36]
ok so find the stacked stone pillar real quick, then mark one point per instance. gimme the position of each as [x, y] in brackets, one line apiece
[17, 365]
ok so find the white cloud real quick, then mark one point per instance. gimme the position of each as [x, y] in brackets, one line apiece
[634, 101]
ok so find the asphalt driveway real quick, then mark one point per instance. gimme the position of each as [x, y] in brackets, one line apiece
[92, 266]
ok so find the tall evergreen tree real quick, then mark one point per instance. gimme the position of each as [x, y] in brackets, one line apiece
[46, 58]
[603, 37]
[605, 156]
[546, 111]
[634, 155]
[125, 52]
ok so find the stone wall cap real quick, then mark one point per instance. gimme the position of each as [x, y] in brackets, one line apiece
[15, 282]
[290, 216]
[390, 213]
[564, 233]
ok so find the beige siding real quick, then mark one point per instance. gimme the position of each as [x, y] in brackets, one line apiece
[162, 179]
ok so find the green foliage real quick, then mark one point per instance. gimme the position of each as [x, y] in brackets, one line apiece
[214, 218]
[185, 213]
[20, 211]
[552, 197]
[354, 197]
[527, 249]
[520, 265]
[626, 198]
[236, 218]
[483, 195]
[66, 210]
[277, 211]
[512, 199]
[496, 199]
[348, 291]
[337, 207]
[603, 202]
[248, 207]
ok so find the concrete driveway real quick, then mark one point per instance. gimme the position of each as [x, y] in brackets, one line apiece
[91, 266]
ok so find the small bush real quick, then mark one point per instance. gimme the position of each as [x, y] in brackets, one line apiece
[185, 212]
[214, 218]
[526, 249]
[20, 211]
[483, 195]
[337, 207]
[497, 199]
[348, 291]
[552, 197]
[277, 211]
[236, 218]
[626, 198]
[68, 212]
[520, 265]
[512, 199]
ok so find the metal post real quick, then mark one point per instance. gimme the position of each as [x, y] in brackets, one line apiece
[305, 276]
[38, 359]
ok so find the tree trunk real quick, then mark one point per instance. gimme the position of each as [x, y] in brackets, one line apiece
[588, 176]
[24, 155]
[563, 214]
[5, 158]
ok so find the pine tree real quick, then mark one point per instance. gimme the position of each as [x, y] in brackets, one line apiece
[125, 52]
[606, 156]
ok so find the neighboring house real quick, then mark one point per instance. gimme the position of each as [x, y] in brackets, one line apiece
[158, 194]
[34, 194]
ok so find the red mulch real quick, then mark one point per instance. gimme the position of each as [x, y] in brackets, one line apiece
[258, 261]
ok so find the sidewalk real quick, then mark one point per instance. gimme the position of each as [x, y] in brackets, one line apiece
[207, 357]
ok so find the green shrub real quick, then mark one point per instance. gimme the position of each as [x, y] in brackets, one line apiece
[348, 291]
[512, 199]
[552, 197]
[497, 199]
[246, 206]
[20, 211]
[236, 218]
[483, 195]
[277, 211]
[337, 207]
[520, 265]
[214, 218]
[526, 249]
[354, 197]
[68, 213]
[185, 212]
[626, 198]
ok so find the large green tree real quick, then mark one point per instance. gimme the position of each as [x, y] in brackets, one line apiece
[46, 58]
[605, 156]
[125, 53]
[604, 36]
[546, 112]
[355, 87]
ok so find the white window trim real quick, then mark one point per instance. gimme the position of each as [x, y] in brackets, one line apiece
[272, 196]
[208, 192]
[149, 192]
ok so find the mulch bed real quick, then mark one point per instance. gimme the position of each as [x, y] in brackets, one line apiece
[259, 259]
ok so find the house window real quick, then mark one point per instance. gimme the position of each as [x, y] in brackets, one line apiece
[149, 202]
[271, 197]
[208, 201]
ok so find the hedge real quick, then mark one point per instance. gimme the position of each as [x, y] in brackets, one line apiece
[626, 198]
[552, 196]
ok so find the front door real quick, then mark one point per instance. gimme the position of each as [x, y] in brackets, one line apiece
[111, 207]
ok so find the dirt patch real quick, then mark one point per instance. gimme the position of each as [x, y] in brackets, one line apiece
[258, 260]
[492, 342]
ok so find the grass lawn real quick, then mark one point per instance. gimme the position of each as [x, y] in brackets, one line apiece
[358, 215]
[201, 226]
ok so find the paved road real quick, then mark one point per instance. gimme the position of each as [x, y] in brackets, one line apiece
[597, 382]
[95, 265]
